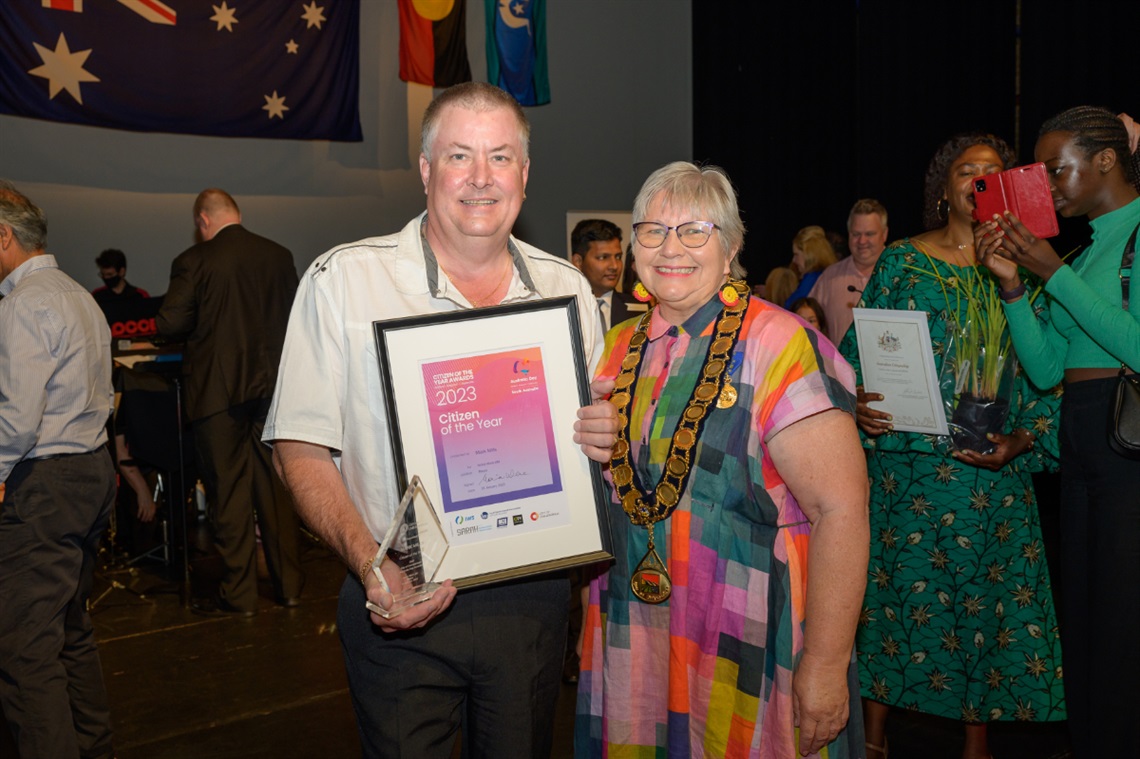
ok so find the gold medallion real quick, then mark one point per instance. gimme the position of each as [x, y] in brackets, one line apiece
[650, 581]
[623, 475]
[721, 345]
[727, 397]
[705, 391]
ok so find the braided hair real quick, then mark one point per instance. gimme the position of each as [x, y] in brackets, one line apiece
[1096, 129]
[939, 169]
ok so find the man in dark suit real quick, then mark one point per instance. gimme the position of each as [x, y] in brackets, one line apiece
[230, 297]
[595, 248]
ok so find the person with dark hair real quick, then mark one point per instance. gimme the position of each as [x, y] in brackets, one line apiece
[840, 285]
[958, 619]
[811, 312]
[112, 265]
[1086, 337]
[595, 248]
[55, 398]
[488, 660]
[229, 298]
[725, 626]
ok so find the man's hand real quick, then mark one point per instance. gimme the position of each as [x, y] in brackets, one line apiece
[412, 617]
[597, 426]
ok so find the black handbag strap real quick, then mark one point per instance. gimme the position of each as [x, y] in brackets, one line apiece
[1126, 275]
[1126, 265]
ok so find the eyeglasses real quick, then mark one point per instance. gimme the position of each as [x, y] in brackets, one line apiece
[692, 234]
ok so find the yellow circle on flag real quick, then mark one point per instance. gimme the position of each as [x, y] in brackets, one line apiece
[433, 10]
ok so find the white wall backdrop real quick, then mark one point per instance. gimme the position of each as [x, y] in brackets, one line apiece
[621, 83]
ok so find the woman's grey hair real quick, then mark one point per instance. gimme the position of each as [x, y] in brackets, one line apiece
[704, 191]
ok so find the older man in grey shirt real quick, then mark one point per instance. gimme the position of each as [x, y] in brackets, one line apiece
[55, 397]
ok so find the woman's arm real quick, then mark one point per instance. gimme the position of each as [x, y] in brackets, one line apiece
[833, 494]
[1113, 328]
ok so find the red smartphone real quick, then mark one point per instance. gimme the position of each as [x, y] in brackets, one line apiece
[1024, 190]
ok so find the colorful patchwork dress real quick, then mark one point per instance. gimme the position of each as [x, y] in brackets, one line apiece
[958, 619]
[708, 672]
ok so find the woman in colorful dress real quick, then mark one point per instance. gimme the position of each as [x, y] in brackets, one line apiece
[958, 620]
[1084, 337]
[708, 636]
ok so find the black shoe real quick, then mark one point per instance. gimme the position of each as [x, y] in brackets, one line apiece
[289, 602]
[219, 607]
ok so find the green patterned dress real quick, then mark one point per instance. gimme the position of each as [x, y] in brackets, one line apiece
[958, 620]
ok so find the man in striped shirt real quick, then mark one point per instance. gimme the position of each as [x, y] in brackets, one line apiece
[55, 398]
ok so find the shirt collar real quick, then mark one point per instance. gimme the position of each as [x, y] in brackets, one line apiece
[35, 263]
[1127, 215]
[694, 325]
[440, 287]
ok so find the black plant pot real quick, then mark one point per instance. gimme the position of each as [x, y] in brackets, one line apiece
[974, 418]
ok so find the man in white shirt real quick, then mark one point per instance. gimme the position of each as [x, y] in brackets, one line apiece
[841, 285]
[55, 398]
[493, 661]
[595, 248]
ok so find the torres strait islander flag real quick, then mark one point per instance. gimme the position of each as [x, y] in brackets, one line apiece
[433, 42]
[516, 49]
[248, 68]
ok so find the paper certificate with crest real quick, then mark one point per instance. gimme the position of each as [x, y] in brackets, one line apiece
[897, 361]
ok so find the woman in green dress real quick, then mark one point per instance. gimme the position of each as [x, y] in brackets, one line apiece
[958, 618]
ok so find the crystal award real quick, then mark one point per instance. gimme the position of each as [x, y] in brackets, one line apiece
[411, 553]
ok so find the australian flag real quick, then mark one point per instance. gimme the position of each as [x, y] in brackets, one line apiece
[238, 68]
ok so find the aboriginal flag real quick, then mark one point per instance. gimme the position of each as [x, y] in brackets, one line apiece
[516, 49]
[433, 42]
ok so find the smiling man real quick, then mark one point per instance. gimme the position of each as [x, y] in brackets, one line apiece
[490, 658]
[841, 285]
[595, 248]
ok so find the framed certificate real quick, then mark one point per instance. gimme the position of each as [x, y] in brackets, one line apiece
[482, 405]
[897, 360]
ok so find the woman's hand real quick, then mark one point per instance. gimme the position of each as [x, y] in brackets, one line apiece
[872, 422]
[1008, 447]
[1024, 248]
[820, 702]
[988, 239]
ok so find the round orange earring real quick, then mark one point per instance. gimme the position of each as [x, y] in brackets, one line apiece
[640, 294]
[729, 296]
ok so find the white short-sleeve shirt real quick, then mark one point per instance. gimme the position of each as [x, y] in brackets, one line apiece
[328, 389]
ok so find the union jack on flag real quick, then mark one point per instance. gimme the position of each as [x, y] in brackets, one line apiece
[251, 68]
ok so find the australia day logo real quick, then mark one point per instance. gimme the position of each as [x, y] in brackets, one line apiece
[522, 367]
[889, 343]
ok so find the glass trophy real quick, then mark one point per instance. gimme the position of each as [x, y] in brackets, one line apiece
[411, 553]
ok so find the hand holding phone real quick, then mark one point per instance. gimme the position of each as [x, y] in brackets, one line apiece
[1023, 190]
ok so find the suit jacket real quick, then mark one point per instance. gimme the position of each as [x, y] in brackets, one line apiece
[623, 307]
[229, 298]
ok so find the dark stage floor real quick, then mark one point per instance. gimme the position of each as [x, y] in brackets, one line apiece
[184, 686]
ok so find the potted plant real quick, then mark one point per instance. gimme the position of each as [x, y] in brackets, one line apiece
[978, 362]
